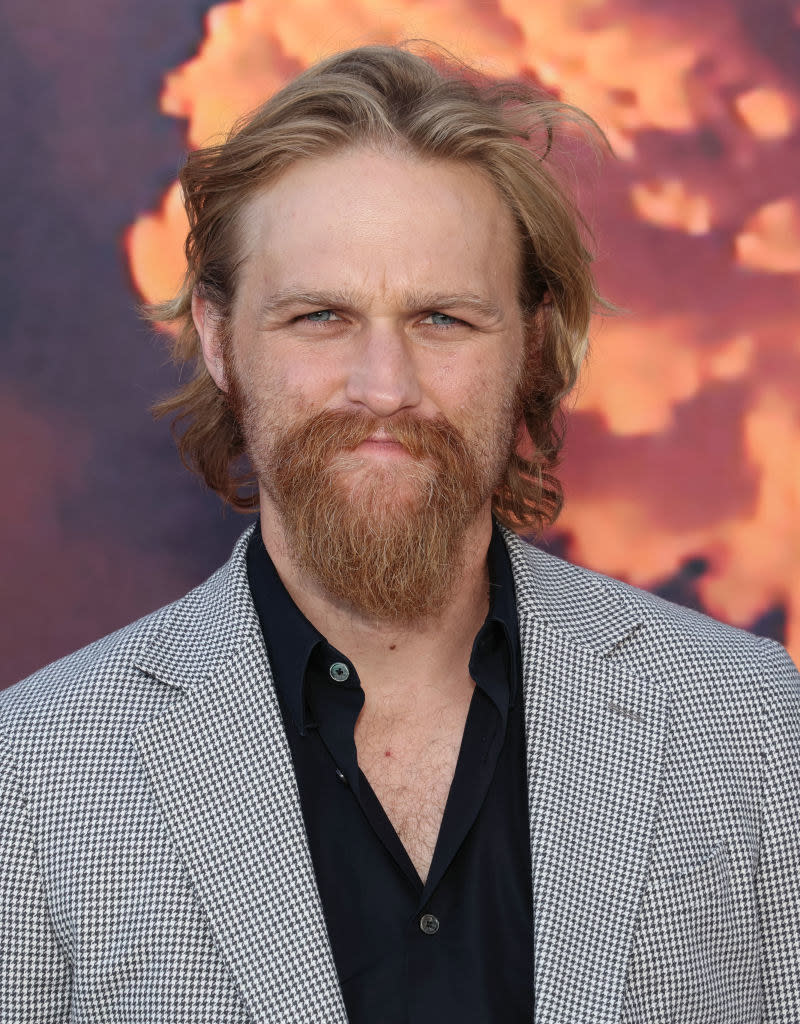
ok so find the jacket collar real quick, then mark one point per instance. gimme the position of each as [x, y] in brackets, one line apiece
[205, 628]
[591, 610]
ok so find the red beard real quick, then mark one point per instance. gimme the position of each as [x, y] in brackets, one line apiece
[389, 542]
[385, 538]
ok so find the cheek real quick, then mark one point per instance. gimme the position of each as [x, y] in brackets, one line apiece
[479, 407]
[270, 380]
[313, 377]
[306, 387]
[488, 386]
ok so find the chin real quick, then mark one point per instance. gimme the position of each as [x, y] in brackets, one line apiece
[393, 504]
[408, 484]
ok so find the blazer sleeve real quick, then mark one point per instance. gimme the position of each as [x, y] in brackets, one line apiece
[778, 872]
[34, 972]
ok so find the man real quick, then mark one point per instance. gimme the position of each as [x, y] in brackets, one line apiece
[391, 763]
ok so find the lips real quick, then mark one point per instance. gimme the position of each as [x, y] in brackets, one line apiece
[384, 445]
[382, 441]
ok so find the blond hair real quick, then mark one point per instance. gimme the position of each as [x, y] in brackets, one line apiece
[436, 108]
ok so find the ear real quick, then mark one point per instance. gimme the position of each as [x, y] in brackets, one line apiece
[206, 323]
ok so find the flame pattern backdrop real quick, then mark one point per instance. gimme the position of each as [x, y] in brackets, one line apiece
[682, 468]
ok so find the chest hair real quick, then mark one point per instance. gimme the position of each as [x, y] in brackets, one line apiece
[409, 758]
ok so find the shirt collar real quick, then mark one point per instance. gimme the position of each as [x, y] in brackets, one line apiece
[291, 639]
[503, 605]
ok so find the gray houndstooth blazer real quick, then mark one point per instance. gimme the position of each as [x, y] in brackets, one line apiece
[154, 865]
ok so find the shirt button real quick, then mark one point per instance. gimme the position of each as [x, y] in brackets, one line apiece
[429, 924]
[339, 672]
[341, 776]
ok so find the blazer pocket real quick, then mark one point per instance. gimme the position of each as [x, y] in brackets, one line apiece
[684, 962]
[713, 864]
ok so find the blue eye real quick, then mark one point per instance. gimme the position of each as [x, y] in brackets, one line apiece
[443, 319]
[320, 316]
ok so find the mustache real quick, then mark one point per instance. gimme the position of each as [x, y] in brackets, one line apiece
[331, 431]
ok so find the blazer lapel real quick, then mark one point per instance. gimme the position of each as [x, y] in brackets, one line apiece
[595, 738]
[220, 770]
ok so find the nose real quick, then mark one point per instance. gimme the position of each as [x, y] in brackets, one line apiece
[383, 377]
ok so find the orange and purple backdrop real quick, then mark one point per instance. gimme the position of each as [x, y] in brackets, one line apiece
[682, 470]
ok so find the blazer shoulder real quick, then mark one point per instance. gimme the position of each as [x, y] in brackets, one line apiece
[74, 678]
[105, 674]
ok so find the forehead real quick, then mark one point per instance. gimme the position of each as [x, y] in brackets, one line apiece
[377, 222]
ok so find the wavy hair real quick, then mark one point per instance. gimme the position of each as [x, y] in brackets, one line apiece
[438, 109]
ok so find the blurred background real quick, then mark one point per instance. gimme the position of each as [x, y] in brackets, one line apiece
[682, 467]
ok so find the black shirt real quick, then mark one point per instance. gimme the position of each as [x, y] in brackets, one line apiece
[460, 947]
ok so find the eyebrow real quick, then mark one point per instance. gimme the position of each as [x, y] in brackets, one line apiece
[288, 298]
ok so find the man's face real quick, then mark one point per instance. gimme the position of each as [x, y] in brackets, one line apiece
[375, 357]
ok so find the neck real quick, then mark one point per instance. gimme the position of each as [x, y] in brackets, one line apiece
[393, 660]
